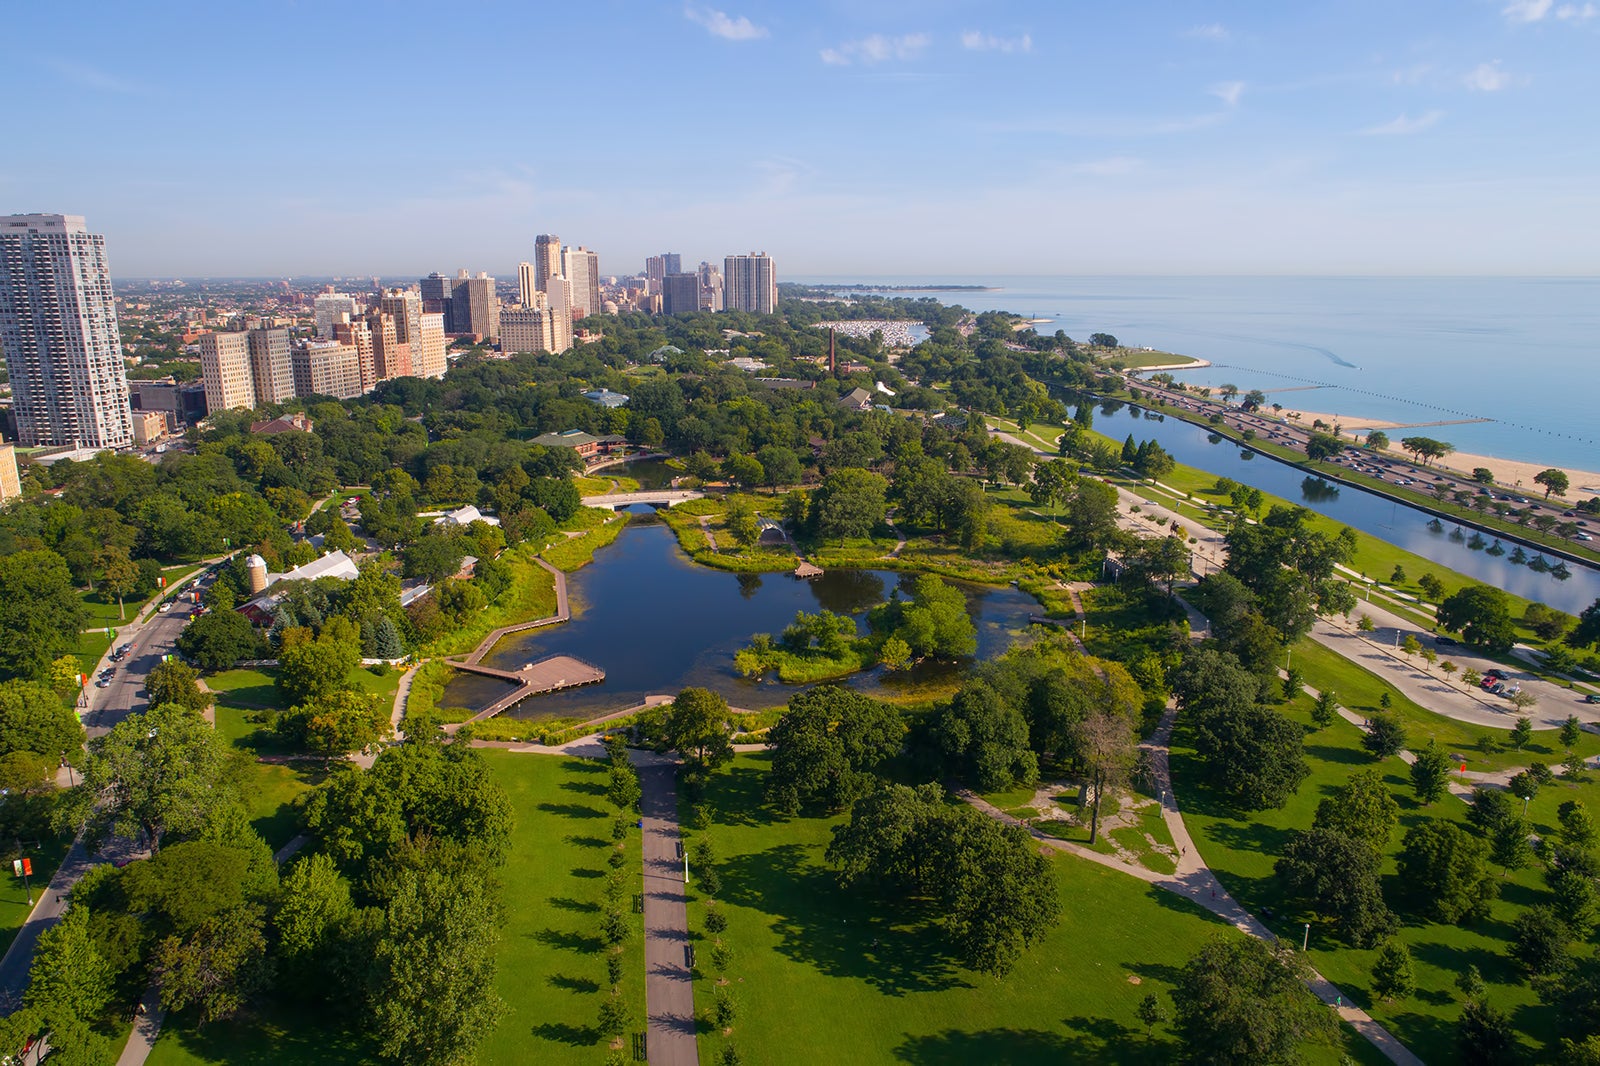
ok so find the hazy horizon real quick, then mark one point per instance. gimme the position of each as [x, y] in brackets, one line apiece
[871, 138]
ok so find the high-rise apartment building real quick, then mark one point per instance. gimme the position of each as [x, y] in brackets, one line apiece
[225, 368]
[527, 284]
[657, 267]
[327, 368]
[528, 329]
[359, 336]
[559, 295]
[435, 289]
[406, 307]
[749, 283]
[474, 308]
[271, 365]
[428, 352]
[391, 357]
[680, 294]
[58, 332]
[582, 270]
[10, 480]
[330, 308]
[710, 288]
[546, 260]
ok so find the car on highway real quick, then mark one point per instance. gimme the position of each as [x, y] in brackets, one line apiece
[1591, 698]
[102, 682]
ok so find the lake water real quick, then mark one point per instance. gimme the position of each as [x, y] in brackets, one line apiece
[1524, 352]
[1386, 519]
[657, 623]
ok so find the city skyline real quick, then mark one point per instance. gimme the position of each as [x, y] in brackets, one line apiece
[877, 138]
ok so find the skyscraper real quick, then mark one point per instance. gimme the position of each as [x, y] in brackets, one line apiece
[474, 308]
[527, 284]
[750, 283]
[657, 267]
[582, 270]
[330, 308]
[58, 332]
[227, 372]
[358, 336]
[327, 368]
[407, 309]
[680, 294]
[391, 358]
[435, 290]
[271, 366]
[546, 260]
[710, 288]
[559, 294]
[428, 353]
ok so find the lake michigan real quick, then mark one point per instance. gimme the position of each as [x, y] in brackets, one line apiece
[1524, 352]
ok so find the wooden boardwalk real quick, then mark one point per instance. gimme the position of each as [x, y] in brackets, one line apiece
[551, 674]
[562, 614]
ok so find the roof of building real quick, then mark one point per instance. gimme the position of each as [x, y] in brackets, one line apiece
[294, 423]
[856, 397]
[606, 398]
[465, 516]
[567, 438]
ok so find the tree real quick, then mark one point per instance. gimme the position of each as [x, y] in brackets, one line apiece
[216, 967]
[173, 681]
[1392, 974]
[1553, 480]
[697, 728]
[1362, 809]
[69, 981]
[1484, 1036]
[1426, 449]
[934, 623]
[826, 747]
[1254, 755]
[1541, 942]
[622, 788]
[743, 470]
[433, 968]
[780, 466]
[741, 521]
[1338, 876]
[848, 503]
[1431, 586]
[40, 612]
[119, 575]
[1377, 440]
[1241, 1000]
[35, 719]
[154, 773]
[1152, 1013]
[1107, 747]
[1102, 340]
[1385, 736]
[1521, 733]
[1488, 809]
[1482, 615]
[1325, 709]
[314, 905]
[315, 668]
[386, 641]
[1446, 871]
[1322, 446]
[984, 739]
[336, 722]
[218, 639]
[1430, 773]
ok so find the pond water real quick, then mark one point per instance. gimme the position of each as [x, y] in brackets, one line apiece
[1407, 527]
[657, 623]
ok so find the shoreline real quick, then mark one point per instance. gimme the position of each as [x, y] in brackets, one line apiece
[1509, 473]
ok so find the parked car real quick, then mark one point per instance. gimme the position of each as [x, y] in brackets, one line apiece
[1495, 672]
[102, 682]
[165, 607]
[1446, 642]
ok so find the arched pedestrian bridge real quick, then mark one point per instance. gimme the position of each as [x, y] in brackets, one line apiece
[661, 498]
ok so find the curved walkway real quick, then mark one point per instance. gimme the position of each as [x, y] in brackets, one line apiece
[1195, 881]
[563, 613]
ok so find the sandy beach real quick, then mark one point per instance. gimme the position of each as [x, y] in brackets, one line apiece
[1510, 472]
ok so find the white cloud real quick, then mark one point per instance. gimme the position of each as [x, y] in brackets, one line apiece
[1111, 167]
[1405, 124]
[1228, 92]
[978, 41]
[721, 24]
[1527, 10]
[1577, 12]
[1488, 78]
[1214, 31]
[92, 78]
[876, 49]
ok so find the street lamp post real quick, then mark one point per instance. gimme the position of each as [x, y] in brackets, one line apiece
[1305, 942]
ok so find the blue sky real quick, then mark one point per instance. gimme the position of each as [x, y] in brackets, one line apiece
[860, 137]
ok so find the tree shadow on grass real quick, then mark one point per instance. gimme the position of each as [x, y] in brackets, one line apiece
[567, 903]
[561, 1033]
[587, 842]
[572, 810]
[279, 1036]
[1337, 754]
[568, 940]
[1087, 1040]
[573, 984]
[738, 797]
[586, 873]
[841, 933]
[588, 788]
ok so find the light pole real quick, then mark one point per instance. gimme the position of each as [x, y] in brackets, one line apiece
[1305, 943]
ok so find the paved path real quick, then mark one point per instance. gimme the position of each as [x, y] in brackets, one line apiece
[669, 985]
[1194, 880]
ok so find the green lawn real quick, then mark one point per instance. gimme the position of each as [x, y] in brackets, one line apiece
[824, 975]
[1243, 847]
[273, 1037]
[552, 971]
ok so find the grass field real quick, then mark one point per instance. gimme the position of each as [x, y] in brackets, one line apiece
[272, 1037]
[552, 972]
[1243, 847]
[823, 975]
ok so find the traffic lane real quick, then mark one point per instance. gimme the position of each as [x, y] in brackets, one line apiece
[156, 638]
